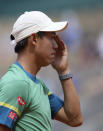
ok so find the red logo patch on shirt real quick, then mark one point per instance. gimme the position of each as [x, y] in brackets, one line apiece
[21, 101]
[12, 115]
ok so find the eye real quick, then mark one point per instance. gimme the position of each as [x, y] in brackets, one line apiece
[50, 36]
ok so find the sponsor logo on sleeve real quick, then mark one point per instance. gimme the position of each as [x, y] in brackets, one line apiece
[12, 115]
[21, 101]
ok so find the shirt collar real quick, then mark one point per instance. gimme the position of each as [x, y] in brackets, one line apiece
[32, 77]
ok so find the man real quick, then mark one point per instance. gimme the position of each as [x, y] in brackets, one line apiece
[25, 101]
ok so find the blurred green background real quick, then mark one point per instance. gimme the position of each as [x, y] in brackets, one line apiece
[84, 39]
[13, 7]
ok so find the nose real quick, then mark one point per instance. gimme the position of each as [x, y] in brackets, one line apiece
[55, 45]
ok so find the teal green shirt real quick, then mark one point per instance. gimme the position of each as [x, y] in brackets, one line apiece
[27, 100]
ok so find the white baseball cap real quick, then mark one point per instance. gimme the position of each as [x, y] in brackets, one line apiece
[33, 22]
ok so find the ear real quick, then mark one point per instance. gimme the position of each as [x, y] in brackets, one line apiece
[32, 39]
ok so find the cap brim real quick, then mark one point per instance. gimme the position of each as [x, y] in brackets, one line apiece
[56, 27]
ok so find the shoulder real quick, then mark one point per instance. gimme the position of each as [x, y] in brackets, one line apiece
[14, 73]
[44, 86]
[41, 82]
[14, 87]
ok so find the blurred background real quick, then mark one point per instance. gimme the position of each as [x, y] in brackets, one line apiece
[84, 39]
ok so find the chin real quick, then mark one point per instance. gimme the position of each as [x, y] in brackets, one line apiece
[46, 63]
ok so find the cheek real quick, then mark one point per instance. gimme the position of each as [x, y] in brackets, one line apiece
[45, 47]
[43, 52]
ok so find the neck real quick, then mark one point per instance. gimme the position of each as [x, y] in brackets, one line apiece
[29, 63]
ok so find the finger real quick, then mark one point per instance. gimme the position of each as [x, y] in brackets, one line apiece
[59, 42]
[64, 45]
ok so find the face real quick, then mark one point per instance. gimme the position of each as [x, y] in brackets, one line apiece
[45, 48]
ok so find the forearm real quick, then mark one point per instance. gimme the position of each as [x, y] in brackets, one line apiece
[70, 113]
[71, 101]
[4, 128]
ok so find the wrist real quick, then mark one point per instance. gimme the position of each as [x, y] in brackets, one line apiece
[69, 75]
[62, 72]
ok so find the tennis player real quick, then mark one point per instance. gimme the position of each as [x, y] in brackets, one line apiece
[26, 104]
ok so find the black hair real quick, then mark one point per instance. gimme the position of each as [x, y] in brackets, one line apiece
[40, 34]
[21, 45]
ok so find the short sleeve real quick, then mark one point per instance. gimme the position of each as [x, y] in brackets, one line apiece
[13, 101]
[55, 103]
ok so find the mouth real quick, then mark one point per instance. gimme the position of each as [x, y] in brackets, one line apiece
[53, 53]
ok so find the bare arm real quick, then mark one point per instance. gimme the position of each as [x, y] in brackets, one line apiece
[4, 128]
[70, 113]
